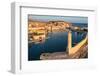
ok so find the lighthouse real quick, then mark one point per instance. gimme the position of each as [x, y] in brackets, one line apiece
[69, 41]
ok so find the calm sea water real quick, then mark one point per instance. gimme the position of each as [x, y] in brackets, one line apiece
[56, 42]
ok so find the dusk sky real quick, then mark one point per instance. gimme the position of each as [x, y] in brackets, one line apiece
[72, 19]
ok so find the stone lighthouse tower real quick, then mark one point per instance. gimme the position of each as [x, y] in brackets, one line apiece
[69, 42]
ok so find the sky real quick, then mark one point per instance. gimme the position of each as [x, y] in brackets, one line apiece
[71, 19]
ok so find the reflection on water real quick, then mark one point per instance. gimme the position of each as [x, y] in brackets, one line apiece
[56, 42]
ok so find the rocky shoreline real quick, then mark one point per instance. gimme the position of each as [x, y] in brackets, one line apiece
[80, 54]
